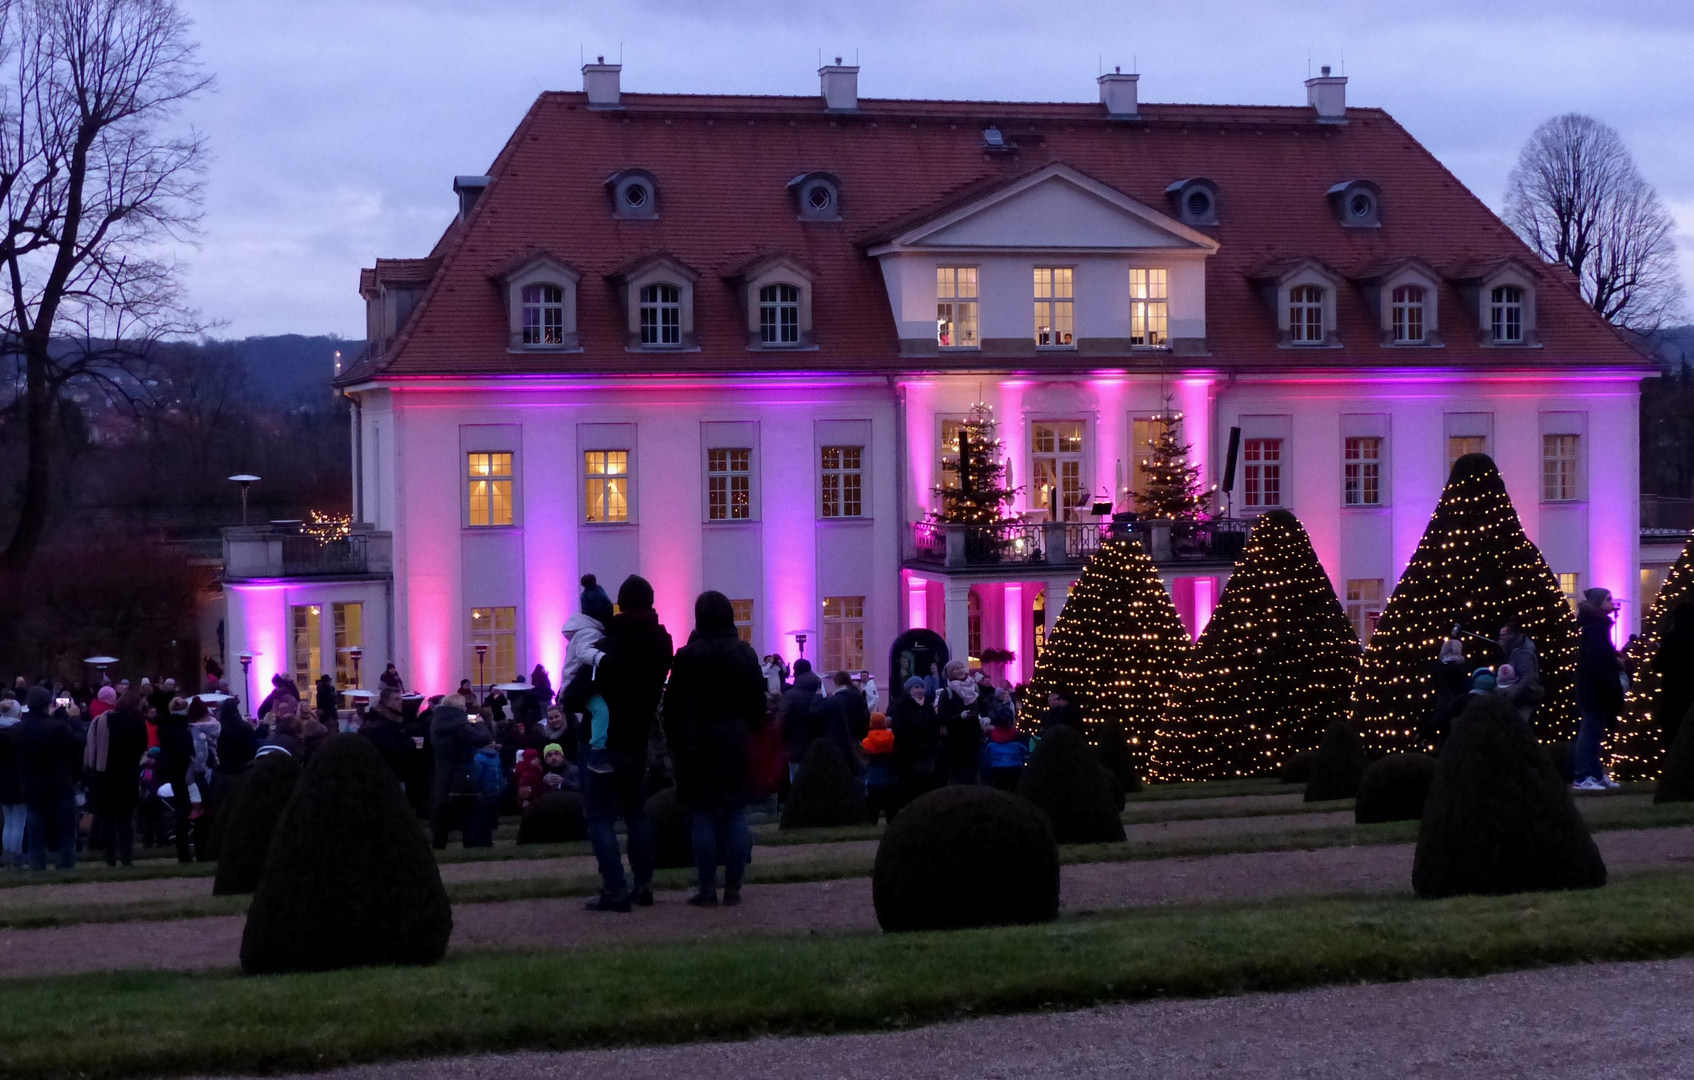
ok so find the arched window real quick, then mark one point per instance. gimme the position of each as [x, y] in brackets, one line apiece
[1408, 314]
[1505, 314]
[779, 315]
[661, 315]
[543, 315]
[1305, 314]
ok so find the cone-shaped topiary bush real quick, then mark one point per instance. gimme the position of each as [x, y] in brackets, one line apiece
[1563, 757]
[1117, 755]
[350, 880]
[253, 815]
[673, 840]
[966, 856]
[824, 794]
[555, 818]
[1298, 768]
[1498, 818]
[1676, 783]
[1071, 788]
[1338, 766]
[1394, 788]
[230, 786]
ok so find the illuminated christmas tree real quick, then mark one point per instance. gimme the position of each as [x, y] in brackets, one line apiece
[981, 495]
[1637, 745]
[1474, 569]
[1119, 649]
[1172, 485]
[1273, 669]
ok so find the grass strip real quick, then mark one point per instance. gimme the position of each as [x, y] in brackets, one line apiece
[161, 1023]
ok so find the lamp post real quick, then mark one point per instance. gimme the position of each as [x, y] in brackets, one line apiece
[246, 659]
[481, 648]
[101, 663]
[355, 654]
[246, 480]
[800, 637]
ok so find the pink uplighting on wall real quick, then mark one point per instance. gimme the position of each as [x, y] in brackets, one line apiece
[1013, 616]
[917, 602]
[1193, 398]
[264, 633]
[920, 435]
[1204, 600]
[1109, 435]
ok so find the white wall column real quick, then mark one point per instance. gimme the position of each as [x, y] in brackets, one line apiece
[1057, 593]
[958, 630]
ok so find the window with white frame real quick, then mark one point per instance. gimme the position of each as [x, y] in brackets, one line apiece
[1305, 315]
[307, 626]
[1149, 307]
[661, 314]
[1364, 605]
[843, 476]
[490, 480]
[1460, 445]
[843, 633]
[1263, 473]
[1362, 470]
[543, 315]
[1057, 468]
[349, 635]
[743, 619]
[729, 484]
[606, 486]
[779, 314]
[947, 456]
[1505, 314]
[955, 307]
[495, 628]
[1558, 467]
[1053, 306]
[1407, 314]
[1571, 586]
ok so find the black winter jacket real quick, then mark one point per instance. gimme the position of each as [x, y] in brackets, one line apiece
[632, 678]
[1598, 688]
[713, 704]
[455, 741]
[799, 721]
[48, 756]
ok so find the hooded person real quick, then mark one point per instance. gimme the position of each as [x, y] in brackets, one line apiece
[237, 742]
[584, 631]
[798, 709]
[455, 739]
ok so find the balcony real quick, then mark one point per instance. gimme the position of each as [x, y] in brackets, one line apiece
[1017, 545]
[279, 549]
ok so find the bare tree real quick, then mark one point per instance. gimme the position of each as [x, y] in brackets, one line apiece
[1577, 198]
[96, 176]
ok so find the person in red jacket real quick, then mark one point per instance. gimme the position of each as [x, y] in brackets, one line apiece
[526, 778]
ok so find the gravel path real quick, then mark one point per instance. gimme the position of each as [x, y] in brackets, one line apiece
[842, 906]
[1574, 1023]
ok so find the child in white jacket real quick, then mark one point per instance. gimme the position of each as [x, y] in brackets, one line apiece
[584, 631]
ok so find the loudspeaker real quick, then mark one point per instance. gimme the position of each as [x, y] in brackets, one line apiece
[1229, 459]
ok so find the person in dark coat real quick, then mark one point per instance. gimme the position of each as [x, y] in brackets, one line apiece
[12, 807]
[1599, 686]
[1674, 663]
[176, 760]
[853, 706]
[383, 727]
[455, 738]
[47, 753]
[1062, 711]
[916, 739]
[799, 720]
[329, 700]
[714, 702]
[957, 711]
[237, 742]
[111, 761]
[831, 718]
[631, 679]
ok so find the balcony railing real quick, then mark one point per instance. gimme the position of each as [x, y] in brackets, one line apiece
[306, 556]
[279, 549]
[1014, 543]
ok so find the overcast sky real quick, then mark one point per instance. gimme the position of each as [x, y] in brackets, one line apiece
[337, 125]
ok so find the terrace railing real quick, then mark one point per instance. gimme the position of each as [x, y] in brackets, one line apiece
[1218, 540]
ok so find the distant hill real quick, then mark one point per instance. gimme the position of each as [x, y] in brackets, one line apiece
[1673, 345]
[287, 368]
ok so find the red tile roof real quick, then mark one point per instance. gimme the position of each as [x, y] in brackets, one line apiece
[723, 165]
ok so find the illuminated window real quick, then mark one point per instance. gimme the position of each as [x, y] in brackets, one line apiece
[606, 484]
[1305, 315]
[1652, 581]
[843, 481]
[1571, 586]
[543, 315]
[661, 315]
[306, 623]
[349, 634]
[843, 633]
[491, 489]
[1364, 605]
[743, 619]
[955, 307]
[729, 484]
[1149, 307]
[1407, 311]
[1362, 471]
[1143, 430]
[497, 628]
[1460, 445]
[1039, 610]
[1056, 466]
[949, 458]
[1053, 306]
[1263, 459]
[1558, 468]
[1505, 314]
[779, 315]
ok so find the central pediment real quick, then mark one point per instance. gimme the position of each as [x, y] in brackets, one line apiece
[1052, 208]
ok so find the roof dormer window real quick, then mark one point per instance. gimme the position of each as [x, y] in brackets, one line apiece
[541, 305]
[543, 315]
[661, 315]
[1505, 314]
[659, 294]
[1195, 201]
[1306, 315]
[1406, 314]
[1357, 204]
[778, 295]
[779, 315]
[817, 196]
[634, 194]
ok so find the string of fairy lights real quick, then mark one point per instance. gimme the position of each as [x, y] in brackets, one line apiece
[1170, 485]
[1635, 743]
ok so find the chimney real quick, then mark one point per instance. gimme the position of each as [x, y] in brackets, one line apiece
[1118, 94]
[840, 87]
[469, 189]
[1328, 95]
[600, 82]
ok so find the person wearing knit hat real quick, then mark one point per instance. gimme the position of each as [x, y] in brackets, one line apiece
[557, 773]
[882, 773]
[584, 631]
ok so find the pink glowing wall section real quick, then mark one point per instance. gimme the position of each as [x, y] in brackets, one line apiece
[262, 625]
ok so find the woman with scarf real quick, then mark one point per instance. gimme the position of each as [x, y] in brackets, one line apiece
[957, 710]
[111, 762]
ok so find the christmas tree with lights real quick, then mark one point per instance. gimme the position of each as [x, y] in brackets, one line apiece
[981, 495]
[1474, 569]
[1118, 650]
[1273, 669]
[1172, 486]
[1637, 743]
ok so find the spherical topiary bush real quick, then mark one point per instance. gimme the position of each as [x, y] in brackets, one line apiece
[1498, 818]
[1298, 768]
[555, 818]
[252, 821]
[824, 794]
[230, 786]
[1394, 788]
[1676, 781]
[350, 880]
[1063, 779]
[965, 856]
[673, 840]
[1338, 766]
[1563, 757]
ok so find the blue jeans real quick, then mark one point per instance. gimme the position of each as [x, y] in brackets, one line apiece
[606, 797]
[12, 837]
[721, 837]
[1588, 737]
[58, 819]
